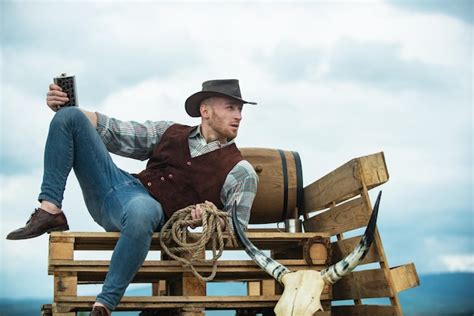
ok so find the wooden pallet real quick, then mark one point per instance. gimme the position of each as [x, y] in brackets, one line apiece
[172, 286]
[338, 203]
[332, 206]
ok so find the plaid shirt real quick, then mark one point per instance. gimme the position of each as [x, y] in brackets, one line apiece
[137, 140]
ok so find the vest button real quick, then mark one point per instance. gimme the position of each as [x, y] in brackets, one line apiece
[170, 176]
[188, 163]
[162, 178]
[149, 184]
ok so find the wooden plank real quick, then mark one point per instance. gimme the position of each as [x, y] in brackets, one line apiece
[175, 266]
[374, 170]
[317, 251]
[96, 274]
[363, 310]
[262, 240]
[268, 287]
[253, 236]
[344, 182]
[343, 217]
[188, 285]
[362, 284]
[65, 284]
[254, 288]
[394, 300]
[405, 277]
[61, 250]
[158, 288]
[191, 285]
[340, 249]
[46, 310]
[160, 302]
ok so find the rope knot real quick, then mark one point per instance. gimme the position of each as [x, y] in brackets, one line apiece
[188, 248]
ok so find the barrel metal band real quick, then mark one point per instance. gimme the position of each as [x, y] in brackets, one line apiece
[284, 170]
[299, 183]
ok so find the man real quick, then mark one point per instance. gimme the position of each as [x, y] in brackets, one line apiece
[187, 165]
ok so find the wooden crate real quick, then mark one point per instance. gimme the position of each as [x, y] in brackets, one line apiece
[338, 203]
[172, 287]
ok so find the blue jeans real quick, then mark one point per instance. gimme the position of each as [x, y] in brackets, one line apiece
[116, 200]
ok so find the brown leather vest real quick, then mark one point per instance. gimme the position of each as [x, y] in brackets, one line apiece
[176, 180]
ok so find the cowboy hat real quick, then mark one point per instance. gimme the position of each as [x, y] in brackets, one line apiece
[214, 88]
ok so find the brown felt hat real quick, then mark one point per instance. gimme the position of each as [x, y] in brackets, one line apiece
[214, 88]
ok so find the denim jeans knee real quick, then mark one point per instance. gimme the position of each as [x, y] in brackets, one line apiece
[142, 214]
[68, 115]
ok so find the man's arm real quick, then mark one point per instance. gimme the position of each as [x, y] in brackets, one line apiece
[240, 186]
[128, 139]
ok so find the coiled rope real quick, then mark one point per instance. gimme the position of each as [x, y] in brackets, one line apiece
[180, 244]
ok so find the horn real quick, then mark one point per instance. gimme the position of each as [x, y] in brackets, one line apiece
[335, 272]
[272, 267]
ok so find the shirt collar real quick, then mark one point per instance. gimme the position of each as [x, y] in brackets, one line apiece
[196, 133]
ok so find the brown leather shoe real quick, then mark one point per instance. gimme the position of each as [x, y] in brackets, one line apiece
[98, 311]
[39, 223]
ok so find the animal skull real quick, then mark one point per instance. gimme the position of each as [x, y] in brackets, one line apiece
[302, 289]
[302, 294]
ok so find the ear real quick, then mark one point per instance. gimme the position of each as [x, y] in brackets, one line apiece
[204, 110]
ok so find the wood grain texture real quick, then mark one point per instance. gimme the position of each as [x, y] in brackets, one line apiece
[65, 284]
[374, 169]
[254, 288]
[341, 248]
[344, 217]
[160, 302]
[94, 271]
[405, 277]
[268, 203]
[345, 182]
[262, 240]
[364, 310]
[362, 284]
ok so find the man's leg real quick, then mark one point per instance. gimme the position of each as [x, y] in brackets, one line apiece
[115, 199]
[72, 142]
[131, 210]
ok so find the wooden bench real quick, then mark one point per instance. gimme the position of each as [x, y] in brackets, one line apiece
[330, 207]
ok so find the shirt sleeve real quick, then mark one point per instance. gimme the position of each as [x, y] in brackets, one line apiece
[241, 186]
[130, 139]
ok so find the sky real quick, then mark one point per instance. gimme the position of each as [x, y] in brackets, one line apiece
[334, 80]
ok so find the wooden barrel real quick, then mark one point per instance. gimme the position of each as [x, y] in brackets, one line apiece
[280, 188]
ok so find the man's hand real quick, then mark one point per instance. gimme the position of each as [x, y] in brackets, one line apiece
[196, 213]
[55, 98]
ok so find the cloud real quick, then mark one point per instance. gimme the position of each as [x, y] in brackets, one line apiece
[291, 61]
[105, 54]
[459, 263]
[334, 81]
[381, 65]
[460, 9]
[21, 149]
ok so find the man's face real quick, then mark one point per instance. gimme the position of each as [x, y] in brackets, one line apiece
[223, 117]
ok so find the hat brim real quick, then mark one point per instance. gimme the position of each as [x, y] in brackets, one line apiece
[194, 101]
